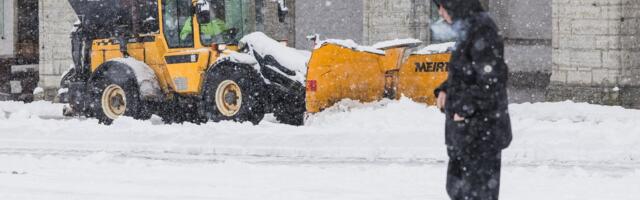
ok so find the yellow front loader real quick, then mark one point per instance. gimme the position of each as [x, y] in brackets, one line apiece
[198, 60]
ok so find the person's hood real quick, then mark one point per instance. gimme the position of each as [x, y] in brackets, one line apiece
[460, 9]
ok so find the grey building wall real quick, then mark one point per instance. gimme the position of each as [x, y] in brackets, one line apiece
[596, 52]
[396, 19]
[526, 27]
[56, 21]
[364, 21]
[342, 19]
[271, 24]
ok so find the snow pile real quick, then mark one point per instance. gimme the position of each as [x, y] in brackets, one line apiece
[436, 48]
[38, 108]
[241, 58]
[38, 90]
[349, 44]
[288, 57]
[146, 77]
[397, 43]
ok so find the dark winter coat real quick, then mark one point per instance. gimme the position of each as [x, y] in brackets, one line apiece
[477, 84]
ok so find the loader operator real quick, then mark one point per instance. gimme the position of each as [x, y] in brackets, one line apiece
[209, 30]
[474, 100]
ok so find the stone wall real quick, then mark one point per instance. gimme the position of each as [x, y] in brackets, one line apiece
[396, 19]
[596, 52]
[56, 21]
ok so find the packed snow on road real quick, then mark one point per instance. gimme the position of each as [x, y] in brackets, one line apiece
[384, 150]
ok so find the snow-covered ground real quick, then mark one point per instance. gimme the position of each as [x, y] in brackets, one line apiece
[385, 150]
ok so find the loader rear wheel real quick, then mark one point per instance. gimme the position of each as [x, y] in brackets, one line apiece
[234, 94]
[115, 94]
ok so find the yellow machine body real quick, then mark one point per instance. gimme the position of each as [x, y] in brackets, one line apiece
[337, 72]
[184, 77]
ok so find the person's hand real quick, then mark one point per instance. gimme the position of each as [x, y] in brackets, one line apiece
[458, 118]
[442, 99]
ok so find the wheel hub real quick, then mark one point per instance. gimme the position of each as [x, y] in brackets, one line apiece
[228, 98]
[231, 98]
[114, 101]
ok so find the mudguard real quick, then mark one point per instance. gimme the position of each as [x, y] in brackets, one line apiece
[148, 85]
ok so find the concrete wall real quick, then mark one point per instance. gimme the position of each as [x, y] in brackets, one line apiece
[596, 52]
[526, 27]
[57, 18]
[341, 19]
[393, 19]
[272, 26]
[630, 41]
[364, 21]
[7, 40]
[56, 21]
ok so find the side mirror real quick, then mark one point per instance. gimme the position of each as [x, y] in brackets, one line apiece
[282, 11]
[150, 25]
[203, 11]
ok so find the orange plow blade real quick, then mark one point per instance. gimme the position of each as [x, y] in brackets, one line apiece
[338, 72]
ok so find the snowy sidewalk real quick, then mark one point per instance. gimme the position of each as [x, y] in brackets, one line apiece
[386, 150]
[546, 133]
[103, 176]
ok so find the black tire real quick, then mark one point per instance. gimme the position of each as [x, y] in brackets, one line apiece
[291, 109]
[290, 117]
[251, 104]
[167, 111]
[122, 77]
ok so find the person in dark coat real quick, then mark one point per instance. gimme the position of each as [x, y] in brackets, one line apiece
[474, 100]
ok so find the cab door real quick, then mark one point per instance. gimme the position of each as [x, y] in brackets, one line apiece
[186, 58]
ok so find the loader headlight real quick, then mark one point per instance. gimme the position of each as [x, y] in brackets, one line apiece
[242, 46]
[222, 47]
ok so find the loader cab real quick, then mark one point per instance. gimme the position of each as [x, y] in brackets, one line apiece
[177, 23]
[187, 23]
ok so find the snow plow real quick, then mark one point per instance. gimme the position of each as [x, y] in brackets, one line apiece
[198, 61]
[341, 69]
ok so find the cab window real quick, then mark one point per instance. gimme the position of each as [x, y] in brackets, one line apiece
[225, 26]
[176, 15]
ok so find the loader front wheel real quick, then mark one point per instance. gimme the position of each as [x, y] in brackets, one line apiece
[234, 94]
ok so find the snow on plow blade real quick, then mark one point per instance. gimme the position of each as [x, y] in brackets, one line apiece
[342, 70]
